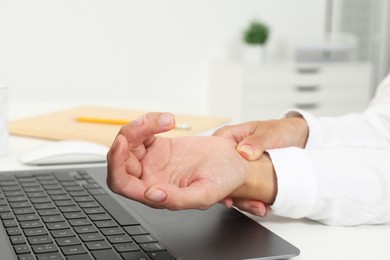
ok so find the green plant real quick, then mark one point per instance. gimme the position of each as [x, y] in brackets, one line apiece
[256, 33]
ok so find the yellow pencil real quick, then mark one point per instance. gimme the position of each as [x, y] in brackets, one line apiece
[112, 121]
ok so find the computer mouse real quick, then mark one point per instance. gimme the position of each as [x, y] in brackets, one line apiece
[66, 152]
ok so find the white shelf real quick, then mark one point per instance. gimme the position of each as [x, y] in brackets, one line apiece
[249, 92]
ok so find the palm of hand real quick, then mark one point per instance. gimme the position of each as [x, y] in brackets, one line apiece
[210, 166]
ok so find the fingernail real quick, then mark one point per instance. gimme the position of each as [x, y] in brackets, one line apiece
[156, 195]
[140, 121]
[248, 149]
[223, 203]
[259, 211]
[166, 119]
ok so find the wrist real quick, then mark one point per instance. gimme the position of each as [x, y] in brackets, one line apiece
[260, 182]
[300, 128]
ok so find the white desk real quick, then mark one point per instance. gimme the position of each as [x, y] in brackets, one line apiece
[316, 241]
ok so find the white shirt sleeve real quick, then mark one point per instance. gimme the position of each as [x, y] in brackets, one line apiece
[343, 186]
[370, 129]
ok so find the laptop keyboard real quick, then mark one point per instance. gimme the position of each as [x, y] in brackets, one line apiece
[68, 215]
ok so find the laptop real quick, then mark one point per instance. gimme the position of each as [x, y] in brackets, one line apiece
[71, 214]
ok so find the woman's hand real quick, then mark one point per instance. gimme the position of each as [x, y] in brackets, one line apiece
[253, 138]
[179, 173]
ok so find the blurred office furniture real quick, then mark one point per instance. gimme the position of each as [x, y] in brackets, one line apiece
[252, 92]
[369, 22]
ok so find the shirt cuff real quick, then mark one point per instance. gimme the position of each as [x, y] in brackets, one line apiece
[297, 185]
[315, 137]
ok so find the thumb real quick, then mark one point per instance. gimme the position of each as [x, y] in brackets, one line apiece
[250, 148]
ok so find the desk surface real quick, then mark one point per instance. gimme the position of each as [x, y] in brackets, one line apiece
[316, 241]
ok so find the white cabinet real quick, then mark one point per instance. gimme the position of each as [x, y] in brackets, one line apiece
[244, 92]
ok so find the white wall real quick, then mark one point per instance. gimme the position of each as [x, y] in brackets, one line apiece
[150, 54]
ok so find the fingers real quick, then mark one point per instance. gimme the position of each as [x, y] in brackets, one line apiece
[130, 146]
[254, 207]
[116, 164]
[251, 147]
[143, 129]
[236, 132]
[248, 144]
[227, 202]
[123, 169]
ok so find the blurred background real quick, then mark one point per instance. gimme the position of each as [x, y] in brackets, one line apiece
[189, 56]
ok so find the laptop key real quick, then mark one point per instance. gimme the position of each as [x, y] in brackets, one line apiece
[13, 193]
[74, 250]
[112, 231]
[91, 237]
[36, 195]
[63, 176]
[4, 209]
[56, 192]
[74, 215]
[136, 230]
[50, 256]
[15, 240]
[144, 239]
[17, 205]
[62, 233]
[57, 225]
[10, 223]
[24, 211]
[69, 209]
[44, 248]
[43, 206]
[14, 231]
[105, 223]
[17, 199]
[79, 257]
[48, 212]
[97, 217]
[21, 249]
[106, 254]
[97, 191]
[85, 229]
[80, 222]
[91, 211]
[40, 240]
[116, 210]
[63, 203]
[119, 239]
[97, 245]
[26, 257]
[136, 255]
[84, 199]
[60, 197]
[151, 247]
[31, 224]
[27, 217]
[35, 232]
[5, 216]
[68, 241]
[126, 247]
[162, 255]
[40, 200]
[55, 218]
